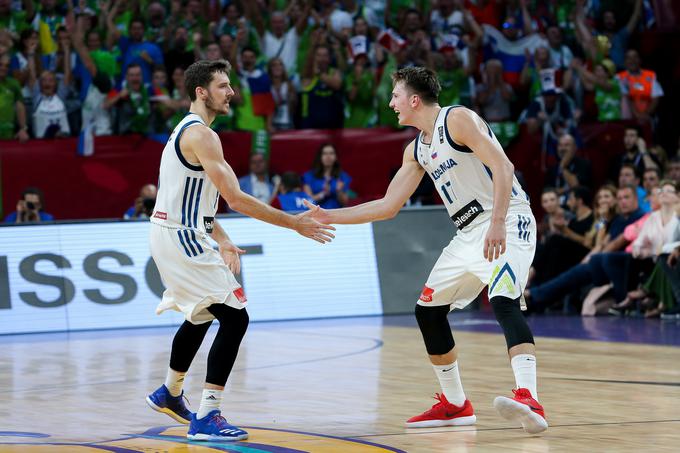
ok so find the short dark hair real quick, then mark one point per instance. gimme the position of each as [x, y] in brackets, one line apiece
[632, 167]
[34, 191]
[630, 187]
[248, 49]
[133, 65]
[549, 189]
[635, 128]
[583, 193]
[291, 181]
[654, 169]
[200, 74]
[420, 81]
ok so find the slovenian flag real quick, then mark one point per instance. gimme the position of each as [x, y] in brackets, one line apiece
[261, 93]
[510, 53]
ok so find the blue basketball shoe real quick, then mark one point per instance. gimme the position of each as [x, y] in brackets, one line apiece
[162, 401]
[214, 427]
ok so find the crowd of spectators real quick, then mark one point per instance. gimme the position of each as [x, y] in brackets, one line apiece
[117, 67]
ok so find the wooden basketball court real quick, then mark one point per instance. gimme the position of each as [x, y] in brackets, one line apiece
[344, 385]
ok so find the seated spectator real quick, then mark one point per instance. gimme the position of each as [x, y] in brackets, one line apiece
[326, 183]
[550, 203]
[179, 101]
[673, 170]
[321, 104]
[30, 208]
[571, 170]
[49, 110]
[288, 195]
[144, 203]
[628, 176]
[256, 183]
[160, 95]
[599, 268]
[650, 182]
[132, 104]
[641, 90]
[567, 246]
[605, 86]
[284, 94]
[454, 74]
[493, 94]
[634, 153]
[604, 211]
[12, 109]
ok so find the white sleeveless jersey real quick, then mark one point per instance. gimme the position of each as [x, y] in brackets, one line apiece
[464, 183]
[187, 199]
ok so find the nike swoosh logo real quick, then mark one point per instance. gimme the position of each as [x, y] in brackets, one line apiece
[450, 415]
[534, 408]
[444, 371]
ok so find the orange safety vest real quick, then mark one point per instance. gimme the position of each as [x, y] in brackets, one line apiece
[639, 87]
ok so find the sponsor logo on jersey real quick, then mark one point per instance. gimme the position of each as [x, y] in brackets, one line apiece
[240, 295]
[467, 214]
[208, 223]
[426, 294]
[161, 215]
[441, 169]
[441, 135]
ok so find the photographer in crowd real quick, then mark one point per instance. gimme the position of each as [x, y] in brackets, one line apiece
[144, 204]
[30, 208]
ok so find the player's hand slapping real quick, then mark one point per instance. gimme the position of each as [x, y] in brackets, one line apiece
[309, 225]
[231, 255]
[494, 242]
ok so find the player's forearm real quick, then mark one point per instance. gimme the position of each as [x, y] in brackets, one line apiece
[219, 235]
[363, 213]
[252, 207]
[502, 188]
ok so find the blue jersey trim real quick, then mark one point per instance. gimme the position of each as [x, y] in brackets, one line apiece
[186, 236]
[181, 240]
[454, 145]
[415, 149]
[179, 153]
[198, 246]
[191, 203]
[198, 201]
[184, 201]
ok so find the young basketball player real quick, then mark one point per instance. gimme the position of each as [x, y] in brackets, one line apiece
[199, 279]
[494, 244]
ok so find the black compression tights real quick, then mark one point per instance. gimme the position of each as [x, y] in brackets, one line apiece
[233, 325]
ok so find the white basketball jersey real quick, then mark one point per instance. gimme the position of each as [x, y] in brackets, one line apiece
[464, 183]
[187, 199]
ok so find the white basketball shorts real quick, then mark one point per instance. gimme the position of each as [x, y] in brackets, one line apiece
[461, 272]
[193, 273]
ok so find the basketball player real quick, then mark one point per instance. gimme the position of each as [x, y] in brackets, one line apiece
[199, 279]
[494, 244]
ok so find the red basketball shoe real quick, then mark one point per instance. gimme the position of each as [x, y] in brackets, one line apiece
[523, 408]
[444, 414]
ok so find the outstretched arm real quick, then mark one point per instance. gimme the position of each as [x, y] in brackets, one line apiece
[205, 145]
[468, 129]
[400, 189]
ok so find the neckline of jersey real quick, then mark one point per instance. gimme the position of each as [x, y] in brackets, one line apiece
[420, 134]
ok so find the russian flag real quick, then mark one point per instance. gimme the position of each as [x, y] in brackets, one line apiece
[261, 94]
[510, 53]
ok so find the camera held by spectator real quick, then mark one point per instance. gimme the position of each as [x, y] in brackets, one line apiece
[30, 208]
[144, 204]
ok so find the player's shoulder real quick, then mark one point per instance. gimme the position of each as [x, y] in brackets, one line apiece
[409, 151]
[459, 113]
[199, 133]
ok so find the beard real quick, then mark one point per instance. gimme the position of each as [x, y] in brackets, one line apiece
[214, 107]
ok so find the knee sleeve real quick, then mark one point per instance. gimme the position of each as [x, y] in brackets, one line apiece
[222, 355]
[435, 328]
[509, 316]
[185, 345]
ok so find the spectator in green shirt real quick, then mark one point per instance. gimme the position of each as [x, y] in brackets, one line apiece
[360, 93]
[11, 105]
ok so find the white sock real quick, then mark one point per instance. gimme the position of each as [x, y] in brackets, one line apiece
[174, 381]
[449, 379]
[210, 401]
[524, 367]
